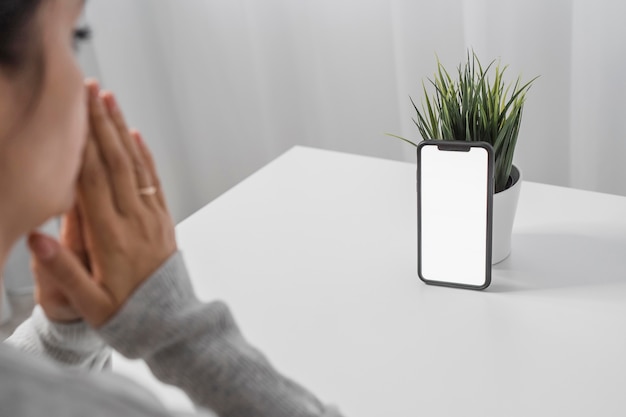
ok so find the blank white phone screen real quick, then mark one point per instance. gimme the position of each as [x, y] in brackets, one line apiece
[454, 193]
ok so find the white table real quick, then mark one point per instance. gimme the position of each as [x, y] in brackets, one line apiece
[316, 255]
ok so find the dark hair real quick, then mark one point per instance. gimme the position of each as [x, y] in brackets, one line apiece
[16, 30]
[20, 52]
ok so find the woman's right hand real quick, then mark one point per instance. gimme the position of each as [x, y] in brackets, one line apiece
[127, 229]
[54, 303]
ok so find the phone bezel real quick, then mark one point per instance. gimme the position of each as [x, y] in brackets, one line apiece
[449, 146]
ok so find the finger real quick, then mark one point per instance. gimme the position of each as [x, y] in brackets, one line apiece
[94, 190]
[68, 275]
[43, 287]
[151, 168]
[54, 303]
[72, 234]
[114, 155]
[132, 149]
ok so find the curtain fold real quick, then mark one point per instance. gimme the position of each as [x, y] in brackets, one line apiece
[597, 87]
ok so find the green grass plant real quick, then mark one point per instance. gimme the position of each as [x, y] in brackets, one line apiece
[472, 108]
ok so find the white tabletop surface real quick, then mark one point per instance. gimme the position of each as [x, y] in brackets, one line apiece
[316, 255]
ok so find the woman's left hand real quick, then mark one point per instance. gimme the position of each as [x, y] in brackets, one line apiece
[127, 229]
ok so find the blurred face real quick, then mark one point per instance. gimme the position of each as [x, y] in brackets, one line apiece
[40, 151]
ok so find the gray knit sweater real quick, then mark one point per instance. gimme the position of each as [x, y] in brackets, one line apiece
[49, 370]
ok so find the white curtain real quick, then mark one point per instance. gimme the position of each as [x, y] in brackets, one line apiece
[221, 87]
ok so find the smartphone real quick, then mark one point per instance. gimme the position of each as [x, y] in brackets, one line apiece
[455, 185]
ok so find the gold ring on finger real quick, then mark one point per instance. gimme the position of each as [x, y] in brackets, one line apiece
[148, 190]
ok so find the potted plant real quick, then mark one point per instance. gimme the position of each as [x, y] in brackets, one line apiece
[473, 108]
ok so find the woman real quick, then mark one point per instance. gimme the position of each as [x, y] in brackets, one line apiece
[115, 279]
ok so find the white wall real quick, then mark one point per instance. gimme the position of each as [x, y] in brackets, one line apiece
[221, 87]
[598, 88]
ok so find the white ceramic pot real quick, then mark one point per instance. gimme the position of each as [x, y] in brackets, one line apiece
[504, 208]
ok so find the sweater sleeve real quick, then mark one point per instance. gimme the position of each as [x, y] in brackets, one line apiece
[199, 348]
[75, 345]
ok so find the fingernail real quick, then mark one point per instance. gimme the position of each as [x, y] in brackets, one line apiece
[43, 247]
[94, 90]
[138, 137]
[112, 103]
